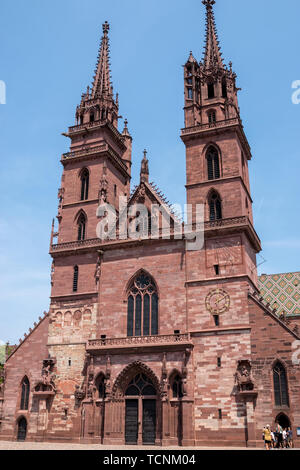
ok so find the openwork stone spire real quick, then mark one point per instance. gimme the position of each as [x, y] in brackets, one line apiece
[212, 56]
[102, 85]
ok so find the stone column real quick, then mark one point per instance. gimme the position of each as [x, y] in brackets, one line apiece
[249, 397]
[188, 434]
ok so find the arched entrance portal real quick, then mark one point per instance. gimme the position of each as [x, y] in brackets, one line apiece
[283, 421]
[140, 411]
[22, 429]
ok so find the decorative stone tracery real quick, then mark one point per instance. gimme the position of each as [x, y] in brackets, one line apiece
[120, 385]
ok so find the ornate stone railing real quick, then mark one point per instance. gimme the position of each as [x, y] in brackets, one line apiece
[222, 223]
[139, 342]
[76, 244]
[225, 222]
[87, 150]
[212, 125]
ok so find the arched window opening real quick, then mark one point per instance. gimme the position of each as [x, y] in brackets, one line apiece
[215, 207]
[224, 88]
[22, 429]
[84, 185]
[81, 227]
[100, 385]
[280, 385]
[92, 117]
[213, 164]
[75, 279]
[25, 394]
[190, 93]
[142, 314]
[212, 117]
[177, 391]
[210, 90]
[140, 386]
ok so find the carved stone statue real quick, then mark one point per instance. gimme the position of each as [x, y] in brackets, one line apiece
[103, 190]
[243, 376]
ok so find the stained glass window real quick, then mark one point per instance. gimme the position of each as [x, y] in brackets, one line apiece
[142, 313]
[280, 385]
[25, 394]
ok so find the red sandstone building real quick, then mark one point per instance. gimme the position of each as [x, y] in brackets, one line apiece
[145, 341]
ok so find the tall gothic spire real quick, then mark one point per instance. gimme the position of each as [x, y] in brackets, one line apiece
[102, 85]
[212, 56]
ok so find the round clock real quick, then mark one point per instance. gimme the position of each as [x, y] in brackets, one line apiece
[217, 301]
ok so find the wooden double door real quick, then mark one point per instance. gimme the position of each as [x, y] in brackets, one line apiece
[140, 421]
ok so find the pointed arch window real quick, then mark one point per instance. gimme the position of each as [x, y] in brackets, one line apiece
[142, 309]
[75, 279]
[177, 391]
[280, 385]
[100, 385]
[215, 207]
[85, 177]
[25, 394]
[213, 163]
[81, 227]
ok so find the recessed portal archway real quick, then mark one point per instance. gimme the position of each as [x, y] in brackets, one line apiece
[140, 410]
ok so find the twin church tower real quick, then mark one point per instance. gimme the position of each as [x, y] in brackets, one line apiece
[145, 341]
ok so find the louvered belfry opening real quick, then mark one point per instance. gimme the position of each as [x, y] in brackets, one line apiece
[81, 227]
[213, 164]
[215, 207]
[75, 279]
[85, 177]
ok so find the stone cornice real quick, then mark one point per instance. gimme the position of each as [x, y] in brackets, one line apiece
[74, 295]
[217, 279]
[92, 126]
[223, 179]
[222, 330]
[93, 153]
[225, 125]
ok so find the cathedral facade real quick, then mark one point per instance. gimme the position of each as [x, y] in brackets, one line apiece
[147, 341]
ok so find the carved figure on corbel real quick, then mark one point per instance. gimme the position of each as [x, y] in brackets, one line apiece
[164, 378]
[243, 376]
[98, 267]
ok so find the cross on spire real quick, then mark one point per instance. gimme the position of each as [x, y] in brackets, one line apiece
[102, 85]
[212, 56]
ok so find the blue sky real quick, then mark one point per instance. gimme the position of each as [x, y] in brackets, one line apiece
[47, 57]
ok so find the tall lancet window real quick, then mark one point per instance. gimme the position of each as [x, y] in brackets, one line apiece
[25, 394]
[142, 313]
[213, 164]
[215, 207]
[81, 227]
[85, 177]
[280, 385]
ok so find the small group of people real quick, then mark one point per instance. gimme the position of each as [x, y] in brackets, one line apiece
[280, 438]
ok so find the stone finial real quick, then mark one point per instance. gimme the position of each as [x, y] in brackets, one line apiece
[144, 175]
[126, 132]
[105, 27]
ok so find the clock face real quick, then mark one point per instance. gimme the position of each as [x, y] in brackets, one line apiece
[217, 301]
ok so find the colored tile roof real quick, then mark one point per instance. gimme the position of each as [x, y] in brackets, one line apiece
[282, 292]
